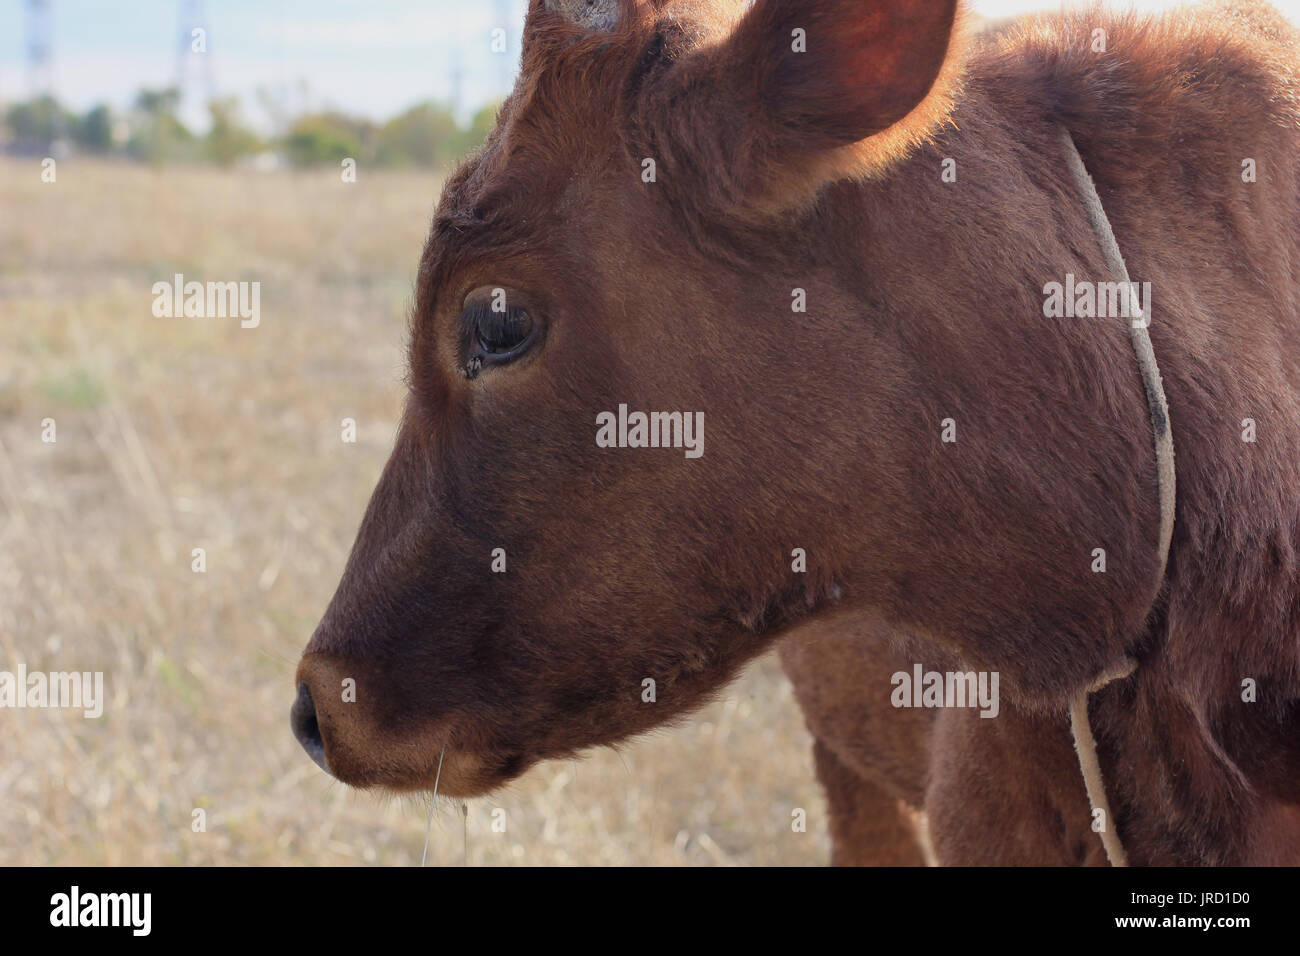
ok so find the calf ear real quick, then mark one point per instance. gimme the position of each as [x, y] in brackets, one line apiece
[820, 89]
[837, 71]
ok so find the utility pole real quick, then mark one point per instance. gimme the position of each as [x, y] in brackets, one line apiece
[40, 48]
[505, 21]
[193, 55]
[456, 68]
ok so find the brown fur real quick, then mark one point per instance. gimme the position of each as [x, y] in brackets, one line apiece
[925, 303]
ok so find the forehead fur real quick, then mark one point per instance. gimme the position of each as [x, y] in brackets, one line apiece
[570, 109]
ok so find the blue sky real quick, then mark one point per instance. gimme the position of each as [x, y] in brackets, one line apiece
[372, 57]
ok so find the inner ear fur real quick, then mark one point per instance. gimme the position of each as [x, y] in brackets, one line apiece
[763, 127]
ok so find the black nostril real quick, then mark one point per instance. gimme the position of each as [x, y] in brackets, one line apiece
[303, 720]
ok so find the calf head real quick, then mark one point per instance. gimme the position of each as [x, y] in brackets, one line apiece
[630, 235]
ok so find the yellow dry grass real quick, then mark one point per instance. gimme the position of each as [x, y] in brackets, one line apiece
[174, 434]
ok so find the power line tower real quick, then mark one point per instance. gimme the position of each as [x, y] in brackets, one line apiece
[506, 66]
[193, 58]
[40, 48]
[456, 68]
[457, 82]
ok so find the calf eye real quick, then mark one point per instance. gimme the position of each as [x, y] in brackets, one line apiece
[500, 333]
[494, 331]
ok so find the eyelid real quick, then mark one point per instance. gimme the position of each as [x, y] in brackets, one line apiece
[486, 337]
[484, 296]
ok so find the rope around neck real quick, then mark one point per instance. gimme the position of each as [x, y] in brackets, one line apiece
[1084, 742]
[1086, 747]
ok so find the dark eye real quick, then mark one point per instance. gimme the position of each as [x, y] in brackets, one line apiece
[494, 332]
[500, 333]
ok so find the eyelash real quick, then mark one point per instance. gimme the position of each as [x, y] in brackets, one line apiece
[487, 334]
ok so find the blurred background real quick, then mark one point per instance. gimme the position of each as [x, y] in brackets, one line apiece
[205, 138]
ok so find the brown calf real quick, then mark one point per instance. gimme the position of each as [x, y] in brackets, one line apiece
[667, 179]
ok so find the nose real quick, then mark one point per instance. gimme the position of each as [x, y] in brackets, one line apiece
[303, 720]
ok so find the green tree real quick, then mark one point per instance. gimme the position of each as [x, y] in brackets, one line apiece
[327, 138]
[483, 122]
[425, 135]
[35, 124]
[228, 138]
[160, 136]
[95, 131]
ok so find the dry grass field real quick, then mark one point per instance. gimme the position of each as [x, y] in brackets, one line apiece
[175, 434]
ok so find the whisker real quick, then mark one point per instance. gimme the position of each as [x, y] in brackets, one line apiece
[433, 802]
[277, 656]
